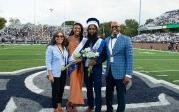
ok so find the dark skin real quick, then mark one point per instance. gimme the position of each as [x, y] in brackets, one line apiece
[92, 30]
[115, 28]
[77, 30]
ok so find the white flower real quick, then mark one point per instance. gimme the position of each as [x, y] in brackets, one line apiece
[97, 54]
[86, 50]
[77, 55]
[88, 53]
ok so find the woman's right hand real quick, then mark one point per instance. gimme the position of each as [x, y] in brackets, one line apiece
[50, 78]
[78, 61]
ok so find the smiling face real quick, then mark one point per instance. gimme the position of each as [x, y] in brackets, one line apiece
[59, 38]
[77, 30]
[115, 28]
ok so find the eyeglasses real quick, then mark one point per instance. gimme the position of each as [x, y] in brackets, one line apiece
[60, 36]
[114, 26]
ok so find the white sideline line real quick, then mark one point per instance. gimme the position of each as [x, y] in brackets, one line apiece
[160, 71]
[176, 81]
[30, 85]
[21, 71]
[162, 102]
[11, 106]
[162, 75]
[157, 59]
[155, 81]
[156, 50]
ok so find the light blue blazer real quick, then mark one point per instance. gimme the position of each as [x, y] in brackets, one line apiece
[55, 60]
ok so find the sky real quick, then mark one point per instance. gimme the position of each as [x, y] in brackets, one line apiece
[38, 11]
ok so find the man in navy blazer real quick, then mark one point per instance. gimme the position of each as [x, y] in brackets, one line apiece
[94, 79]
[119, 67]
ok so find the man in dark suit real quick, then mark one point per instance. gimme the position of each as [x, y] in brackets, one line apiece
[94, 79]
[119, 67]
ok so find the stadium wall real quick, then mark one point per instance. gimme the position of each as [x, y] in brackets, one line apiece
[156, 46]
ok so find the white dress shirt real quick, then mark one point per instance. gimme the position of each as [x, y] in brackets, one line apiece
[112, 43]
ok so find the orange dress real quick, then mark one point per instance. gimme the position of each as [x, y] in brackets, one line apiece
[76, 77]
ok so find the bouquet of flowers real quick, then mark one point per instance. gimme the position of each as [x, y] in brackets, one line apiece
[89, 54]
[86, 53]
[76, 56]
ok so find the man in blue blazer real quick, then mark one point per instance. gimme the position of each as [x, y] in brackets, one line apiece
[119, 67]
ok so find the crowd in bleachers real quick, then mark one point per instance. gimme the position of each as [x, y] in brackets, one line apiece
[157, 37]
[27, 32]
[170, 17]
[169, 41]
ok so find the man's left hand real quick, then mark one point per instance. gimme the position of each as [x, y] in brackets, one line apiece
[93, 62]
[126, 80]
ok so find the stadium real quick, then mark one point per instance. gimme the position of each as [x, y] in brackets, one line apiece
[163, 30]
[156, 59]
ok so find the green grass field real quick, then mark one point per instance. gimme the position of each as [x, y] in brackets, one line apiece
[15, 57]
[159, 64]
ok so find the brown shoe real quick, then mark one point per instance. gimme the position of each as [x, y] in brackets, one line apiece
[89, 109]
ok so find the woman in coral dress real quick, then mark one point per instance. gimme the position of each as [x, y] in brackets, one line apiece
[75, 44]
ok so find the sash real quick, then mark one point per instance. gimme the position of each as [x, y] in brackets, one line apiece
[73, 66]
[97, 44]
[95, 49]
[78, 49]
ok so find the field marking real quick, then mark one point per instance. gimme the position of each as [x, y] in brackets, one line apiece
[156, 50]
[21, 71]
[147, 52]
[84, 88]
[156, 59]
[30, 84]
[162, 102]
[3, 84]
[8, 47]
[160, 71]
[175, 81]
[154, 81]
[162, 75]
[32, 87]
[11, 106]
[21, 60]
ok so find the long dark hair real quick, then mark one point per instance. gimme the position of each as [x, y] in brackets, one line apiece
[81, 33]
[53, 42]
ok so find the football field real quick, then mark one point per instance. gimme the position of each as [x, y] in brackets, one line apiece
[159, 64]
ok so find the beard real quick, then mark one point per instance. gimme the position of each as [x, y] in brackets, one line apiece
[92, 36]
